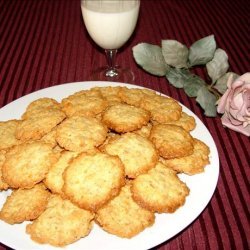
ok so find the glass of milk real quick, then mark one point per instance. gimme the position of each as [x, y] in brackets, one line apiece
[110, 23]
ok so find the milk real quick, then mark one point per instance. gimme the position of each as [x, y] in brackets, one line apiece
[110, 24]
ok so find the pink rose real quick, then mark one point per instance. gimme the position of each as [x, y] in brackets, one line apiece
[235, 104]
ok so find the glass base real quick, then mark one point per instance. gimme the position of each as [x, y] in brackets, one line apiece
[117, 74]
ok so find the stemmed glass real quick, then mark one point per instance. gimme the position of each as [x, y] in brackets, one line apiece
[110, 23]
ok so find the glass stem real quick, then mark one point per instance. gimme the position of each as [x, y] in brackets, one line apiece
[111, 57]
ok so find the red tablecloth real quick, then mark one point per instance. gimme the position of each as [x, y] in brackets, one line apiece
[44, 43]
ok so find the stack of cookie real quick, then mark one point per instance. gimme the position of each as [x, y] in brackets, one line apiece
[109, 155]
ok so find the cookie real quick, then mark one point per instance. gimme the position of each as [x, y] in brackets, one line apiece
[186, 121]
[123, 217]
[108, 91]
[125, 118]
[191, 164]
[162, 109]
[7, 134]
[85, 103]
[24, 204]
[171, 141]
[144, 130]
[27, 164]
[90, 181]
[39, 124]
[50, 138]
[94, 92]
[79, 133]
[137, 153]
[62, 223]
[135, 96]
[3, 184]
[54, 178]
[40, 105]
[111, 94]
[160, 190]
[110, 138]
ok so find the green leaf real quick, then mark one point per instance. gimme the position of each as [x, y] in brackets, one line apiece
[150, 58]
[221, 83]
[207, 101]
[192, 85]
[218, 66]
[202, 51]
[177, 77]
[175, 53]
[182, 78]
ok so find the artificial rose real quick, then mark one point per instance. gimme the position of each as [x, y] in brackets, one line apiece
[235, 104]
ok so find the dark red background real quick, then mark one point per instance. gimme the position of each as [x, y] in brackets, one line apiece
[44, 43]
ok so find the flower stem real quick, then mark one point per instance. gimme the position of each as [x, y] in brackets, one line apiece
[214, 91]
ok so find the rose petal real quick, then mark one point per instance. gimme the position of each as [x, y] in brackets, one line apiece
[246, 123]
[230, 81]
[237, 101]
[245, 77]
[223, 100]
[238, 90]
[226, 100]
[227, 123]
[246, 96]
[244, 111]
[237, 84]
[232, 119]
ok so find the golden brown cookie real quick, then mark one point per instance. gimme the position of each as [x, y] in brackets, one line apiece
[111, 94]
[160, 190]
[54, 178]
[137, 153]
[108, 91]
[62, 223]
[40, 105]
[110, 137]
[135, 96]
[186, 121]
[87, 103]
[25, 204]
[50, 138]
[27, 164]
[163, 109]
[191, 164]
[90, 181]
[94, 92]
[123, 217]
[171, 141]
[3, 184]
[144, 130]
[79, 133]
[125, 118]
[39, 124]
[7, 134]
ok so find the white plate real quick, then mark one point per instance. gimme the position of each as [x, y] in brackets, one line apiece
[201, 186]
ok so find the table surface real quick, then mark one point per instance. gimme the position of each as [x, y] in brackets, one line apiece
[44, 43]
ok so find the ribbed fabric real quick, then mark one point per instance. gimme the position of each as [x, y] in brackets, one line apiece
[44, 43]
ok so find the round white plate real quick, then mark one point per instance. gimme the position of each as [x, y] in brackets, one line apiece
[201, 186]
